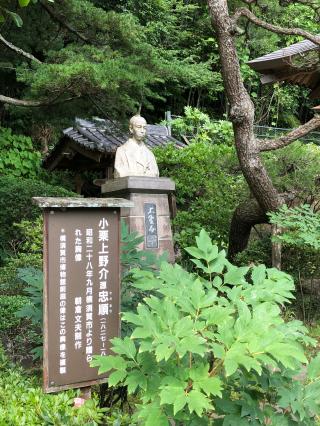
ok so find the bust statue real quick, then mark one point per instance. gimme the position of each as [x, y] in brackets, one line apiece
[134, 158]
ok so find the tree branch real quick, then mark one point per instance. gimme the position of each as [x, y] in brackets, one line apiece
[274, 28]
[18, 50]
[58, 19]
[29, 103]
[299, 132]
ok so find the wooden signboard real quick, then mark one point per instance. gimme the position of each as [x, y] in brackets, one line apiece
[81, 292]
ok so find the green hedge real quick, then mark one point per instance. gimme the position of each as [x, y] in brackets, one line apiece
[209, 186]
[16, 203]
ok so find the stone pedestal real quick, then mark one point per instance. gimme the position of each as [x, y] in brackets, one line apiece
[150, 215]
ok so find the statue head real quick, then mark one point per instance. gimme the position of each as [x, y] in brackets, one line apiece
[138, 128]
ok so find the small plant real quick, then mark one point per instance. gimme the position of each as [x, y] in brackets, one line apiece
[34, 309]
[300, 238]
[215, 350]
[198, 126]
[301, 226]
[22, 402]
[17, 155]
[132, 258]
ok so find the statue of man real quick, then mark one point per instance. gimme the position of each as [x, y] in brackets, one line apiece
[134, 158]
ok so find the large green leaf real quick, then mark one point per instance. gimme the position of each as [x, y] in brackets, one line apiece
[107, 363]
[124, 347]
[198, 402]
[174, 395]
[134, 379]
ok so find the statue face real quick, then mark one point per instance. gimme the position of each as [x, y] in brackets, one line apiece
[138, 129]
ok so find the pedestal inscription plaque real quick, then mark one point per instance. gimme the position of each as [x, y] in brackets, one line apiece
[151, 227]
[81, 292]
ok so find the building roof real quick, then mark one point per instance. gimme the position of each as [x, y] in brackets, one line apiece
[279, 66]
[98, 140]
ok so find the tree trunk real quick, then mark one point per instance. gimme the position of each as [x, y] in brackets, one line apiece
[244, 218]
[247, 146]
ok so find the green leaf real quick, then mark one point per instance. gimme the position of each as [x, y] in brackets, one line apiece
[217, 265]
[107, 363]
[198, 402]
[195, 252]
[164, 351]
[174, 395]
[258, 274]
[16, 18]
[24, 3]
[202, 381]
[141, 333]
[124, 347]
[183, 327]
[217, 314]
[286, 353]
[134, 379]
[194, 344]
[132, 318]
[116, 377]
[314, 368]
[235, 275]
[218, 350]
[151, 415]
[204, 241]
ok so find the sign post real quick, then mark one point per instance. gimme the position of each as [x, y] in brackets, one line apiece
[81, 287]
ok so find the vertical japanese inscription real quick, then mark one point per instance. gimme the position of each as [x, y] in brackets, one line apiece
[82, 292]
[150, 224]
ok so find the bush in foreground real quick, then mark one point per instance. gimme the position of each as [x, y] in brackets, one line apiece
[22, 402]
[213, 347]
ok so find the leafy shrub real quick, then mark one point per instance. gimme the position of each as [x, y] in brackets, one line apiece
[30, 236]
[34, 309]
[300, 226]
[295, 169]
[131, 258]
[22, 403]
[16, 203]
[9, 305]
[215, 347]
[17, 335]
[299, 234]
[208, 188]
[10, 283]
[17, 155]
[29, 239]
[198, 127]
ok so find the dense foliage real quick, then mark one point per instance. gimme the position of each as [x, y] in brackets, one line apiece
[30, 406]
[199, 345]
[17, 155]
[107, 58]
[16, 204]
[208, 188]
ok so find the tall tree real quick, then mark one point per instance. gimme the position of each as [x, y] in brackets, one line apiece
[249, 148]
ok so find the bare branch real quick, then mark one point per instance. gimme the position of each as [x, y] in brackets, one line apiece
[18, 50]
[274, 28]
[62, 22]
[299, 132]
[29, 103]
